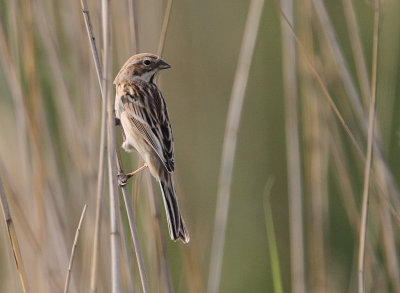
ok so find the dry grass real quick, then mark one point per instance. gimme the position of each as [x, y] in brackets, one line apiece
[316, 76]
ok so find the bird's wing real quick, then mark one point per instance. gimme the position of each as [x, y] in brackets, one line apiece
[148, 113]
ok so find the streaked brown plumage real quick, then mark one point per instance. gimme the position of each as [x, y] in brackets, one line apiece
[141, 110]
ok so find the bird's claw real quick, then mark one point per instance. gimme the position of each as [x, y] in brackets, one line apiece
[122, 179]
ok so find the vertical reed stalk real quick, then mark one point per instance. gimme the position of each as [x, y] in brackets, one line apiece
[99, 195]
[127, 257]
[92, 42]
[371, 124]
[12, 234]
[164, 28]
[132, 225]
[103, 148]
[112, 160]
[315, 144]
[289, 59]
[230, 139]
[135, 238]
[133, 25]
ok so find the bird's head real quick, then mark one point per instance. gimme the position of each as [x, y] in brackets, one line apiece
[141, 66]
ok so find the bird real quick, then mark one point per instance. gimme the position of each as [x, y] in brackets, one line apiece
[141, 111]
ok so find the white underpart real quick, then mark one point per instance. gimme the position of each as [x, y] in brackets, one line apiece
[129, 144]
[132, 141]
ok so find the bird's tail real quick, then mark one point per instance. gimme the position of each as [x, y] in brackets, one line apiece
[176, 225]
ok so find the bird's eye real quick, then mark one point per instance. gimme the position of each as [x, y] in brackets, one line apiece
[146, 62]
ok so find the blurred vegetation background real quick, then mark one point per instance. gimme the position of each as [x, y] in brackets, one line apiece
[50, 131]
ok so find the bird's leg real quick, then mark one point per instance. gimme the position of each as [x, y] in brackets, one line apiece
[123, 178]
[136, 171]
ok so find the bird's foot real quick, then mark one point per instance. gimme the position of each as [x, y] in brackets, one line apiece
[123, 179]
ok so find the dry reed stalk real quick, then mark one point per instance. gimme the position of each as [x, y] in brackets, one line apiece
[127, 256]
[315, 146]
[135, 238]
[103, 148]
[132, 225]
[133, 24]
[12, 234]
[99, 195]
[294, 172]
[71, 260]
[371, 126]
[317, 183]
[112, 159]
[230, 140]
[92, 42]
[164, 28]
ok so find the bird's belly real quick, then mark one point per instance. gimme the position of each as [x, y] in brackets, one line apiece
[134, 140]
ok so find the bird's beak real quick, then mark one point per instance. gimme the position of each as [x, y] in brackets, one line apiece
[163, 65]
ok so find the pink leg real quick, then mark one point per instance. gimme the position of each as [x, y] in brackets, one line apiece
[129, 175]
[123, 178]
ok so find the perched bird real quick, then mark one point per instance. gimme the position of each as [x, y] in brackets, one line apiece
[141, 111]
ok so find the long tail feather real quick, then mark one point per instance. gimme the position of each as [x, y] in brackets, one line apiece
[176, 225]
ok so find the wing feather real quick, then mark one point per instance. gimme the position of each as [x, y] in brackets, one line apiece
[145, 106]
